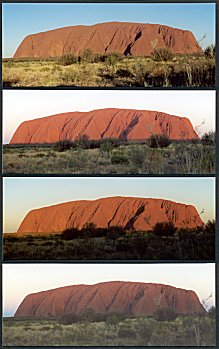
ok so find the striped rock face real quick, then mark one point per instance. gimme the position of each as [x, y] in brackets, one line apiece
[134, 39]
[123, 124]
[128, 212]
[110, 297]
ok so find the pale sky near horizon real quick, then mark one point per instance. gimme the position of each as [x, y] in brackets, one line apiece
[19, 280]
[20, 195]
[20, 20]
[22, 105]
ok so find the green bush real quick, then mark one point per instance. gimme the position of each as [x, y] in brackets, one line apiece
[63, 145]
[162, 54]
[67, 59]
[164, 229]
[68, 319]
[113, 58]
[71, 234]
[212, 312]
[83, 141]
[112, 319]
[165, 314]
[87, 56]
[106, 147]
[117, 158]
[126, 332]
[210, 227]
[144, 330]
[137, 155]
[159, 141]
[208, 138]
[210, 51]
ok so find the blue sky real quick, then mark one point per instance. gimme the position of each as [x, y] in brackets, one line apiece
[23, 194]
[20, 20]
[197, 277]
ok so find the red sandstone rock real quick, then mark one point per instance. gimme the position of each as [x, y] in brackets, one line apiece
[128, 38]
[136, 298]
[133, 125]
[139, 213]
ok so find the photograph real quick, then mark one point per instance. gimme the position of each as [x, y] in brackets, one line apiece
[59, 218]
[109, 45]
[109, 305]
[109, 132]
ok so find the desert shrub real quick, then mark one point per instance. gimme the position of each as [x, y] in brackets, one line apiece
[113, 58]
[162, 54]
[137, 155]
[118, 158]
[113, 233]
[164, 229]
[159, 141]
[126, 332]
[210, 51]
[94, 144]
[210, 227]
[67, 59]
[88, 315]
[71, 233]
[144, 330]
[62, 145]
[83, 141]
[113, 319]
[106, 147]
[139, 73]
[87, 56]
[165, 314]
[212, 312]
[208, 138]
[68, 319]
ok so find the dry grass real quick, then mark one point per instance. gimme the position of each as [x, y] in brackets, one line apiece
[178, 158]
[184, 70]
[186, 331]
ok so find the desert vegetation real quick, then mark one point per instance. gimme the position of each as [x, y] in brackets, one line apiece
[157, 155]
[163, 242]
[161, 69]
[164, 328]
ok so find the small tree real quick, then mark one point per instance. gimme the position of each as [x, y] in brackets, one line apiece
[67, 59]
[112, 319]
[113, 58]
[162, 54]
[88, 315]
[210, 227]
[106, 147]
[212, 312]
[68, 318]
[159, 141]
[164, 229]
[63, 145]
[83, 141]
[208, 138]
[165, 314]
[210, 51]
[87, 56]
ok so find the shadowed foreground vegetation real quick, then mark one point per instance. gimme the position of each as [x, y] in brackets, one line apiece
[158, 155]
[165, 328]
[164, 242]
[161, 69]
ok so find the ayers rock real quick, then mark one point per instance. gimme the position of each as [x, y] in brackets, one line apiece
[123, 124]
[129, 212]
[136, 298]
[134, 39]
